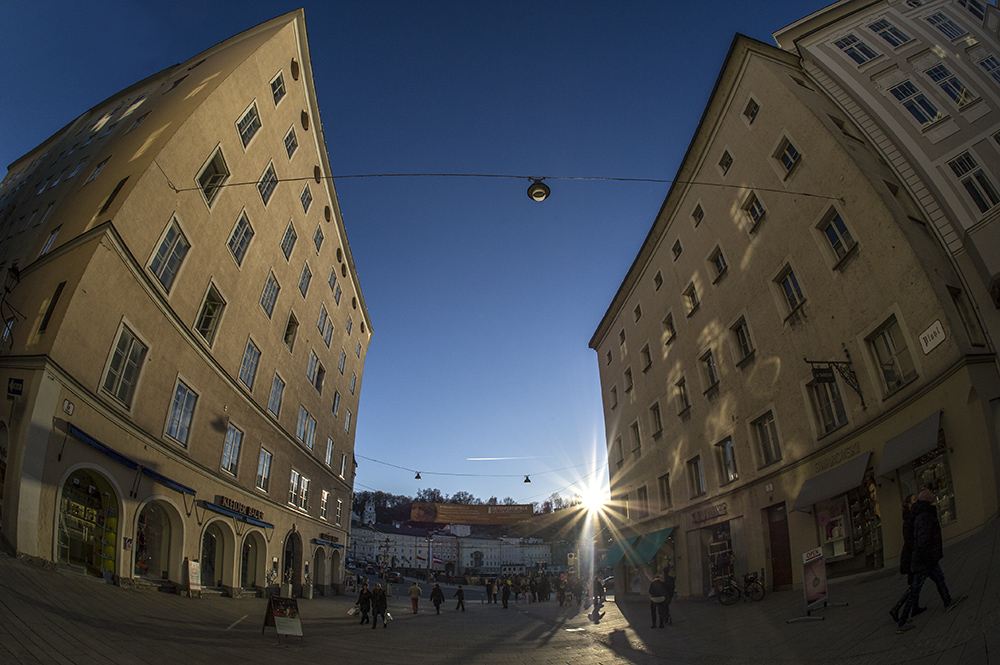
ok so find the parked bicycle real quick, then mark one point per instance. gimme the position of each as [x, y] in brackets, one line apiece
[731, 591]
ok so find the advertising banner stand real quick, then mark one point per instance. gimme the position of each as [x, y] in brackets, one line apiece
[814, 584]
[283, 614]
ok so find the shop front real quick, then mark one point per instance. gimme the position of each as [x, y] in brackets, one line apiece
[88, 524]
[651, 554]
[716, 549]
[919, 458]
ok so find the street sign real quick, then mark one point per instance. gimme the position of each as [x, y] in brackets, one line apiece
[15, 387]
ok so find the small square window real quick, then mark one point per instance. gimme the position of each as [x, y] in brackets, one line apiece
[248, 125]
[836, 233]
[646, 358]
[628, 379]
[787, 156]
[741, 335]
[267, 183]
[683, 401]
[288, 240]
[709, 370]
[291, 330]
[718, 262]
[210, 314]
[677, 249]
[318, 238]
[213, 177]
[291, 143]
[725, 162]
[754, 210]
[790, 290]
[306, 198]
[609, 358]
[691, 298]
[697, 215]
[669, 331]
[277, 88]
[657, 281]
[750, 112]
[655, 419]
[637, 313]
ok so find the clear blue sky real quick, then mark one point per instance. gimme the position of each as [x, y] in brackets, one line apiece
[482, 301]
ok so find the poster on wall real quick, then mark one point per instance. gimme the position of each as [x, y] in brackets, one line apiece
[193, 578]
[814, 579]
[283, 614]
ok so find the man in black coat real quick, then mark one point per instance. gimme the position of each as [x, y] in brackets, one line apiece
[925, 558]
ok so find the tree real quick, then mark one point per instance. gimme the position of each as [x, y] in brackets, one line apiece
[463, 498]
[430, 495]
[492, 501]
[507, 501]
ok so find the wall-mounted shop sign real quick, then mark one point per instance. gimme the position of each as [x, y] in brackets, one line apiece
[711, 512]
[836, 458]
[931, 337]
[329, 537]
[241, 508]
[15, 387]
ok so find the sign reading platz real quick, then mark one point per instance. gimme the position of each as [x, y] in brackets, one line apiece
[460, 513]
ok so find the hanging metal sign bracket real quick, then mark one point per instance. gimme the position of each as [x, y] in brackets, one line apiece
[823, 373]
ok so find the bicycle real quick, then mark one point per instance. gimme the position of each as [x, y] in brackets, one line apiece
[732, 590]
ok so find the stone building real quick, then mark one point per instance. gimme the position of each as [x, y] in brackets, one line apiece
[184, 331]
[795, 347]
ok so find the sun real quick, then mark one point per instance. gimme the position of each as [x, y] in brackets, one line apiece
[593, 500]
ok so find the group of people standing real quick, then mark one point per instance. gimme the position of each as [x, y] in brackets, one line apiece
[375, 602]
[535, 588]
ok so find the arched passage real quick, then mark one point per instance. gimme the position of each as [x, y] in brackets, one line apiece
[319, 570]
[291, 562]
[158, 542]
[88, 523]
[218, 554]
[336, 569]
[253, 561]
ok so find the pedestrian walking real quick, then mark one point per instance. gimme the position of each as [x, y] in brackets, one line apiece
[505, 596]
[365, 603]
[380, 606]
[489, 590]
[460, 594]
[906, 559]
[925, 560]
[437, 597]
[415, 596]
[658, 602]
[496, 589]
[670, 582]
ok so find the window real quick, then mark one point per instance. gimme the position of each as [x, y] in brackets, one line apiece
[751, 110]
[697, 215]
[97, 170]
[8, 330]
[952, 87]
[324, 318]
[123, 370]
[669, 331]
[765, 436]
[895, 364]
[890, 33]
[248, 124]
[231, 450]
[828, 406]
[836, 233]
[637, 313]
[787, 156]
[316, 372]
[636, 440]
[976, 182]
[350, 324]
[267, 183]
[641, 503]
[181, 412]
[213, 176]
[169, 255]
[709, 369]
[51, 308]
[790, 289]
[343, 360]
[696, 476]
[657, 281]
[975, 7]
[239, 239]
[347, 421]
[318, 238]
[304, 279]
[138, 121]
[754, 210]
[683, 402]
[725, 162]
[291, 330]
[263, 470]
[655, 419]
[248, 368]
[726, 454]
[328, 335]
[211, 312]
[991, 65]
[298, 490]
[270, 294]
[628, 379]
[718, 262]
[305, 430]
[614, 396]
[277, 390]
[947, 27]
[691, 297]
[277, 88]
[291, 143]
[306, 198]
[357, 349]
[621, 453]
[354, 382]
[288, 240]
[855, 49]
[744, 343]
[677, 249]
[329, 451]
[663, 482]
[336, 402]
[340, 512]
[645, 357]
[77, 169]
[51, 239]
[968, 316]
[324, 498]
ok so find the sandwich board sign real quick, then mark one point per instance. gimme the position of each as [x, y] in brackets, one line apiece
[283, 614]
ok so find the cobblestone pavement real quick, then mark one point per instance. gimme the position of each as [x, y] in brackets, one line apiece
[57, 617]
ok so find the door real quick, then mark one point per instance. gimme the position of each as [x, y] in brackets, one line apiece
[781, 551]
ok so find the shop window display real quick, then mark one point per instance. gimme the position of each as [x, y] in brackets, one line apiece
[721, 562]
[152, 542]
[88, 524]
[850, 529]
[212, 556]
[933, 472]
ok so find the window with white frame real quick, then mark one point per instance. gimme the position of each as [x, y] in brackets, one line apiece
[277, 88]
[248, 368]
[291, 143]
[263, 470]
[288, 240]
[324, 499]
[231, 449]
[718, 262]
[305, 430]
[975, 7]
[123, 369]
[239, 239]
[210, 314]
[50, 240]
[336, 402]
[696, 477]
[318, 238]
[751, 110]
[306, 198]
[975, 181]
[786, 155]
[691, 298]
[298, 490]
[343, 465]
[340, 512]
[169, 255]
[790, 290]
[754, 210]
[329, 452]
[213, 176]
[950, 84]
[741, 335]
[709, 370]
[888, 32]
[837, 234]
[277, 390]
[267, 183]
[677, 249]
[669, 331]
[315, 371]
[324, 318]
[248, 124]
[291, 331]
[856, 49]
[725, 452]
[304, 279]
[892, 357]
[828, 406]
[991, 65]
[948, 28]
[181, 412]
[343, 361]
[354, 382]
[725, 162]
[347, 421]
[765, 435]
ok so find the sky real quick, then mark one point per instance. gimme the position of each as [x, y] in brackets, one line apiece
[482, 301]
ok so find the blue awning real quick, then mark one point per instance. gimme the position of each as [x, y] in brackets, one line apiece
[616, 552]
[320, 541]
[222, 510]
[163, 480]
[100, 447]
[647, 548]
[256, 522]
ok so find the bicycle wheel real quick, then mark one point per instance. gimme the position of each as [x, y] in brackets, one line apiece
[755, 590]
[729, 595]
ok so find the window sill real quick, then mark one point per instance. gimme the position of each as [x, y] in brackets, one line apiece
[747, 359]
[712, 389]
[729, 482]
[684, 412]
[693, 310]
[628, 390]
[646, 368]
[789, 172]
[725, 271]
[795, 310]
[843, 260]
[657, 434]
[890, 392]
[934, 124]
[754, 225]
[670, 339]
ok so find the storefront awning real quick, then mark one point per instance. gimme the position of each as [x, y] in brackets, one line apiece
[163, 480]
[647, 548]
[222, 510]
[616, 552]
[128, 461]
[911, 444]
[320, 541]
[837, 480]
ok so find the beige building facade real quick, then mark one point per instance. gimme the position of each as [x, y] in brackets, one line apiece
[792, 351]
[184, 331]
